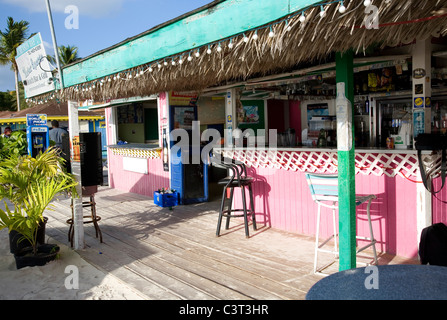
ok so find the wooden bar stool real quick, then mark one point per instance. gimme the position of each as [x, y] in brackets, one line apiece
[238, 179]
[92, 218]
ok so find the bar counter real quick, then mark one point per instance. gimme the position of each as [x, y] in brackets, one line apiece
[283, 199]
[137, 168]
[137, 150]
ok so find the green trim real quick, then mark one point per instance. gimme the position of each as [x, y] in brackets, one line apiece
[346, 167]
[209, 24]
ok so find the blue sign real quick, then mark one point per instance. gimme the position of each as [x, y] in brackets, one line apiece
[36, 120]
[419, 123]
[418, 103]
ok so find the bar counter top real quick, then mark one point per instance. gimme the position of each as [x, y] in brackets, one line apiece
[136, 150]
[138, 146]
[328, 150]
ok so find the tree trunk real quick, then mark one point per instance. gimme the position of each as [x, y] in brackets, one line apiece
[16, 73]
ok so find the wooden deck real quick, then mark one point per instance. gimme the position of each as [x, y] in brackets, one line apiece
[170, 255]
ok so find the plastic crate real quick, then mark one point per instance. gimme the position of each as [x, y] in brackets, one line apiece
[166, 200]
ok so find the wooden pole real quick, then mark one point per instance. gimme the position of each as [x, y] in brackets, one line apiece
[346, 160]
[422, 109]
[78, 222]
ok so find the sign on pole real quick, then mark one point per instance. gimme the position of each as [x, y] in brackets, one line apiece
[33, 120]
[34, 68]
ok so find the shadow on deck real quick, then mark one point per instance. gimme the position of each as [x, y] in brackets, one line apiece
[174, 254]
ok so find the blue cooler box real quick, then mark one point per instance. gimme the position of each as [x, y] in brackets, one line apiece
[166, 200]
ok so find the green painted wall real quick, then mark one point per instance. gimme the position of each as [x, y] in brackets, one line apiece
[221, 21]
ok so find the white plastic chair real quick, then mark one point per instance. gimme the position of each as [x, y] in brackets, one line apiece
[324, 190]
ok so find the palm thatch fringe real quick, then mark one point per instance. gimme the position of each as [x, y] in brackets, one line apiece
[401, 21]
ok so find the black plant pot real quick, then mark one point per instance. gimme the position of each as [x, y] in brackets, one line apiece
[14, 238]
[45, 253]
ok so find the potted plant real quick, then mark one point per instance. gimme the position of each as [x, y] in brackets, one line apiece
[31, 184]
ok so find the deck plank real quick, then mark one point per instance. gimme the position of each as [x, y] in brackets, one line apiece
[174, 254]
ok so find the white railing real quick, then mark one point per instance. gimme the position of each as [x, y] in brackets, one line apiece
[378, 163]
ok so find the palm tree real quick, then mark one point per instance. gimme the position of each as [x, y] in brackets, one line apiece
[13, 36]
[31, 184]
[22, 100]
[67, 55]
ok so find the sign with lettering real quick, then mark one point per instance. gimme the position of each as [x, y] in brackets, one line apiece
[76, 149]
[36, 120]
[34, 68]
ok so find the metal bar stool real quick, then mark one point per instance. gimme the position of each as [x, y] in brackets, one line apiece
[238, 179]
[92, 218]
[324, 190]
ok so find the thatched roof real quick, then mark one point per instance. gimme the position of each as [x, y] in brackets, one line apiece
[401, 21]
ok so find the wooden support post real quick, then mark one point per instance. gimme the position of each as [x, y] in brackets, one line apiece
[346, 160]
[422, 92]
[78, 222]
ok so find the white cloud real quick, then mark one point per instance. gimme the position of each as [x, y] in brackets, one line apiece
[93, 8]
[49, 49]
[47, 45]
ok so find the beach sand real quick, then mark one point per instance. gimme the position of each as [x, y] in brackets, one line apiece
[48, 282]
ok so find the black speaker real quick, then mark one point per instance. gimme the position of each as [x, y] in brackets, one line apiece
[65, 151]
[91, 159]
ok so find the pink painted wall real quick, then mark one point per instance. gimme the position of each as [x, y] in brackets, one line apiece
[439, 203]
[283, 201]
[144, 184]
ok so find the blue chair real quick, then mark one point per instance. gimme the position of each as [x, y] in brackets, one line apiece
[324, 190]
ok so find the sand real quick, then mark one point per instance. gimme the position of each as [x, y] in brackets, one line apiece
[48, 282]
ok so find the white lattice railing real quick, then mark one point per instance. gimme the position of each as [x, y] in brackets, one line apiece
[137, 153]
[403, 164]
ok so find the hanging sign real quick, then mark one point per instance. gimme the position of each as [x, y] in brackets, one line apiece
[34, 67]
[181, 99]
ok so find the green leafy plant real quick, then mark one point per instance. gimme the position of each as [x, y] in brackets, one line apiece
[16, 144]
[31, 184]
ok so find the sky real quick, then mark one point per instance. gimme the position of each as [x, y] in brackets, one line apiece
[101, 23]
